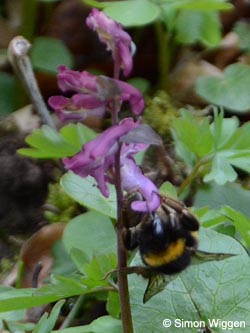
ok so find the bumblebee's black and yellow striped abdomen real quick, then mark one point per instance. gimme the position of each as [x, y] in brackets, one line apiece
[171, 253]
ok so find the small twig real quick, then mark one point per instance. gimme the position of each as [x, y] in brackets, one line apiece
[18, 55]
[35, 275]
[51, 208]
[72, 314]
[139, 270]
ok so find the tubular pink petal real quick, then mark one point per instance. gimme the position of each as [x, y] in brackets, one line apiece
[116, 39]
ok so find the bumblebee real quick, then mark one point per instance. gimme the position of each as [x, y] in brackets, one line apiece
[167, 239]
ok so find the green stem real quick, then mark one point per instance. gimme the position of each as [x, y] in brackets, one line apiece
[29, 16]
[187, 182]
[163, 54]
[20, 267]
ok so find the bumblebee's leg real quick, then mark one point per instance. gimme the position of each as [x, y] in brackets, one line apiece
[130, 238]
[173, 204]
[187, 219]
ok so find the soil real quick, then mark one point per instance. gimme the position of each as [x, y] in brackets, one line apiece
[23, 191]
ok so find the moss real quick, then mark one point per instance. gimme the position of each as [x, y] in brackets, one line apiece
[159, 113]
[63, 208]
[5, 267]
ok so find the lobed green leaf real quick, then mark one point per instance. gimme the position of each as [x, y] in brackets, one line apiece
[196, 26]
[230, 91]
[48, 143]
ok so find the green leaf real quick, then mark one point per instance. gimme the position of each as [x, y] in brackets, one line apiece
[241, 223]
[140, 83]
[47, 322]
[92, 233]
[63, 264]
[243, 31]
[211, 290]
[230, 91]
[11, 317]
[223, 130]
[204, 5]
[79, 258]
[195, 26]
[61, 287]
[132, 13]
[209, 217]
[201, 140]
[226, 229]
[97, 269]
[47, 53]
[113, 304]
[77, 134]
[85, 192]
[221, 171]
[169, 190]
[94, 3]
[231, 194]
[101, 325]
[240, 139]
[48, 143]
[213, 149]
[106, 324]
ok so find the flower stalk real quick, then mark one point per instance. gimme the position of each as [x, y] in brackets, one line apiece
[109, 158]
[18, 55]
[126, 316]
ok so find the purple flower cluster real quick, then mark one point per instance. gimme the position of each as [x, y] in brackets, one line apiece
[93, 94]
[97, 160]
[96, 95]
[116, 39]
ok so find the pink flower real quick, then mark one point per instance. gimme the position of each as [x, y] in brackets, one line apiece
[116, 39]
[133, 180]
[97, 156]
[97, 160]
[77, 108]
[94, 94]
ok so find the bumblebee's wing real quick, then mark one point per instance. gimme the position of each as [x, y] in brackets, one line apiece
[201, 257]
[156, 284]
